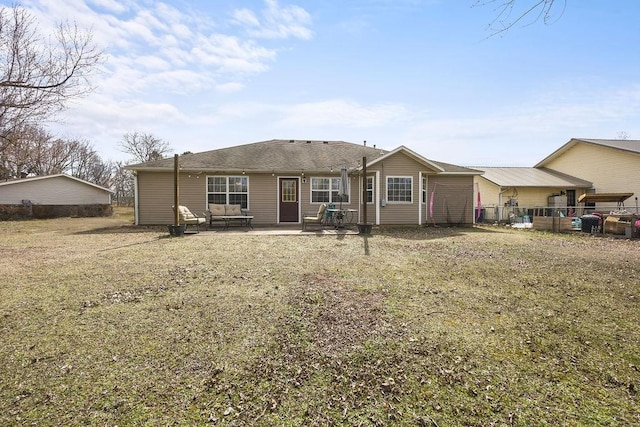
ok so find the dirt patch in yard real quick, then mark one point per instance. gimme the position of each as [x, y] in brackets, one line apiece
[338, 316]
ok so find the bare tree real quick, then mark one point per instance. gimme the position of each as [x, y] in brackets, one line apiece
[511, 12]
[38, 73]
[144, 147]
[122, 185]
[86, 163]
[22, 148]
[49, 155]
[34, 151]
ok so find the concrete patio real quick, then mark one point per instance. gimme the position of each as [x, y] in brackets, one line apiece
[276, 231]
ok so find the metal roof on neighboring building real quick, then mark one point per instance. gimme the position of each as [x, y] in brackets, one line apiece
[530, 177]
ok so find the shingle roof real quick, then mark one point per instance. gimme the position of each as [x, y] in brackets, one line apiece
[283, 155]
[531, 177]
[449, 168]
[629, 145]
[276, 154]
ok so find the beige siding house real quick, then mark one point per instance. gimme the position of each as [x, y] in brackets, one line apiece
[280, 181]
[507, 191]
[613, 166]
[53, 190]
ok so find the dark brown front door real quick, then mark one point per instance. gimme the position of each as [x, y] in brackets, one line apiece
[288, 200]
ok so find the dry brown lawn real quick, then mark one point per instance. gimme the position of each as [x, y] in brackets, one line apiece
[104, 323]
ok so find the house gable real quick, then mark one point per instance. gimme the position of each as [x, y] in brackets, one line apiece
[58, 189]
[621, 145]
[428, 165]
[609, 168]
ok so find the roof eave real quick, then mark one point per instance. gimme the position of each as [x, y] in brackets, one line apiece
[474, 173]
[412, 154]
[559, 151]
[57, 175]
[239, 171]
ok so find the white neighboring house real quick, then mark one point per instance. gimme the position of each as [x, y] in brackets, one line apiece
[58, 189]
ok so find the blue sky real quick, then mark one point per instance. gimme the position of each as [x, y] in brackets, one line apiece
[421, 73]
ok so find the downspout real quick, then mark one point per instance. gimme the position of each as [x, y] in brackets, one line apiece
[420, 191]
[377, 199]
[136, 204]
[363, 192]
[176, 190]
[500, 204]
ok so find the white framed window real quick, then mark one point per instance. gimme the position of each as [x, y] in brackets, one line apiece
[399, 189]
[424, 190]
[228, 190]
[327, 190]
[369, 189]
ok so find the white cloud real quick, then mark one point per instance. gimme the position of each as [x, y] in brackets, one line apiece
[151, 63]
[157, 35]
[520, 131]
[229, 87]
[341, 113]
[246, 17]
[275, 22]
[110, 5]
[231, 54]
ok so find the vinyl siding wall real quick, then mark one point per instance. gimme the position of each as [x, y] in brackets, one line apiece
[530, 197]
[489, 192]
[263, 198]
[452, 192]
[527, 197]
[155, 198]
[610, 170]
[155, 195]
[399, 213]
[53, 191]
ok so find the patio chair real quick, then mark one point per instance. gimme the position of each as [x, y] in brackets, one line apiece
[317, 219]
[189, 218]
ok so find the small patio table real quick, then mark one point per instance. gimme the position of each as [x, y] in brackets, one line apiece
[242, 219]
[339, 217]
